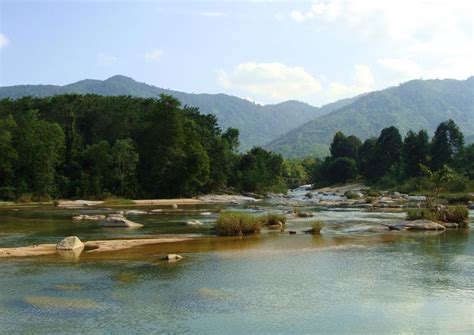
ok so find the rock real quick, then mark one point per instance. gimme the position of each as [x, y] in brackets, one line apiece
[135, 212]
[304, 214]
[70, 243]
[450, 225]
[173, 257]
[119, 221]
[470, 206]
[79, 203]
[88, 217]
[174, 206]
[416, 225]
[291, 232]
[156, 210]
[206, 213]
[194, 223]
[416, 198]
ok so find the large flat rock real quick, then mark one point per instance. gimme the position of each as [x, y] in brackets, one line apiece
[416, 225]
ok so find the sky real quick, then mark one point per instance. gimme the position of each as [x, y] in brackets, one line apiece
[264, 51]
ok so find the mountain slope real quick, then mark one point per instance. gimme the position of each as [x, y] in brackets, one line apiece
[417, 104]
[257, 124]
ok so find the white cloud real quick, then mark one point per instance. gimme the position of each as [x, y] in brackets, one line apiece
[431, 38]
[270, 81]
[154, 55]
[107, 60]
[4, 41]
[363, 81]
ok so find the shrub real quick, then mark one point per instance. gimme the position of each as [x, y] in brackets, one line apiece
[370, 200]
[316, 226]
[236, 223]
[373, 193]
[25, 198]
[350, 195]
[457, 198]
[456, 214]
[298, 213]
[453, 214]
[7, 193]
[274, 219]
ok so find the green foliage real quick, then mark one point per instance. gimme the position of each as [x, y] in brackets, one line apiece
[447, 142]
[343, 146]
[451, 214]
[260, 171]
[95, 146]
[415, 151]
[317, 226]
[342, 169]
[237, 223]
[274, 219]
[350, 195]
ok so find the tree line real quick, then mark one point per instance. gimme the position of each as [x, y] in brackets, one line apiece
[92, 146]
[389, 159]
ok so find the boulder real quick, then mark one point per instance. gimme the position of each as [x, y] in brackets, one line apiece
[416, 225]
[173, 257]
[174, 206]
[291, 232]
[277, 225]
[304, 214]
[119, 221]
[70, 243]
[450, 225]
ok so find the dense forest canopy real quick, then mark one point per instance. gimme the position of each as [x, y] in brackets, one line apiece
[94, 146]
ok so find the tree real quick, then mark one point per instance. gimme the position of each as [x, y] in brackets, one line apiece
[387, 151]
[41, 147]
[96, 167]
[343, 146]
[125, 160]
[415, 151]
[8, 152]
[447, 141]
[342, 169]
[366, 156]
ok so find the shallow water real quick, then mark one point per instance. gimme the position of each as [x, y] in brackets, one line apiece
[348, 280]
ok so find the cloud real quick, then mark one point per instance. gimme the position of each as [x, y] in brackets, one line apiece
[107, 60]
[4, 41]
[154, 55]
[429, 37]
[363, 81]
[270, 81]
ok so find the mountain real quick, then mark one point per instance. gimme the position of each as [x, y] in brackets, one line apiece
[257, 124]
[417, 104]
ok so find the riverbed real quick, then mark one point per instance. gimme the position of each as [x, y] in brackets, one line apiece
[353, 278]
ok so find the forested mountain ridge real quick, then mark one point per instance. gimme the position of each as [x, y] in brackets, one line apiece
[414, 105]
[257, 124]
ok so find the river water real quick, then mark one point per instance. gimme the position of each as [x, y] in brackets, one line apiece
[351, 279]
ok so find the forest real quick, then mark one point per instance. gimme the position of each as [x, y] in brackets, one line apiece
[92, 146]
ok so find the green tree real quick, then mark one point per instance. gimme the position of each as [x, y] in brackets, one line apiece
[415, 151]
[342, 170]
[367, 157]
[96, 167]
[125, 161]
[343, 146]
[8, 152]
[447, 142]
[387, 151]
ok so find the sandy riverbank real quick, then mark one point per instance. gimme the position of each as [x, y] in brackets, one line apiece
[90, 246]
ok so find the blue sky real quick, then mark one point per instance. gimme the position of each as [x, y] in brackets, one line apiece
[266, 51]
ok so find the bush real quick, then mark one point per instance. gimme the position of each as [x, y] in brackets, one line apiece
[236, 223]
[316, 226]
[453, 214]
[351, 195]
[24, 198]
[373, 193]
[274, 219]
[7, 193]
[457, 198]
[298, 213]
[456, 214]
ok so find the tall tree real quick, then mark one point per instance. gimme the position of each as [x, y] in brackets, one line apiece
[343, 146]
[124, 160]
[416, 149]
[387, 151]
[447, 141]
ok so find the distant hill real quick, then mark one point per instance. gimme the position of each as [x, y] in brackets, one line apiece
[257, 124]
[417, 104]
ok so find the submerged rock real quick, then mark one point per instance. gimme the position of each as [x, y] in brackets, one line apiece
[173, 257]
[194, 223]
[135, 212]
[88, 217]
[291, 232]
[416, 225]
[70, 243]
[119, 221]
